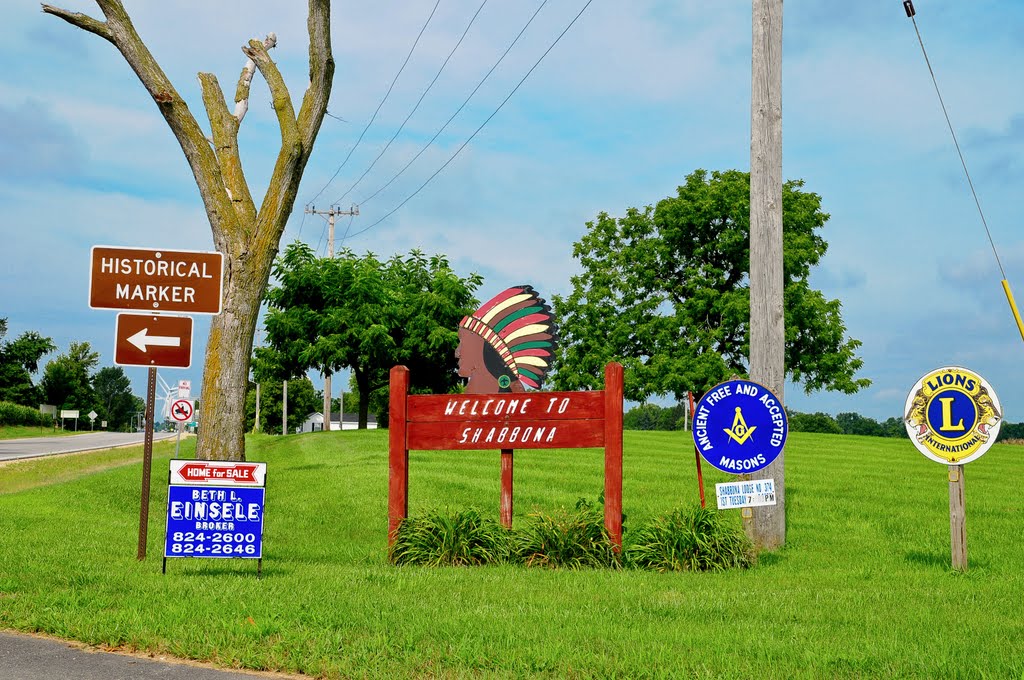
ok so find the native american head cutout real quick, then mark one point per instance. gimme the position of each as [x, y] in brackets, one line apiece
[508, 343]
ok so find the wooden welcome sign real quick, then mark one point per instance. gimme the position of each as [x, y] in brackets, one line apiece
[506, 421]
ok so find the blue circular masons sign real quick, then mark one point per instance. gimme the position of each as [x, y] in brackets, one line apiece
[739, 426]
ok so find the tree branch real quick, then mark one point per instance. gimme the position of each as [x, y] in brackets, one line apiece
[288, 169]
[278, 90]
[225, 140]
[83, 21]
[321, 75]
[200, 156]
[244, 80]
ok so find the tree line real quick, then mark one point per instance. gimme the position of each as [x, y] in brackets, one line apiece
[69, 381]
[654, 417]
[664, 291]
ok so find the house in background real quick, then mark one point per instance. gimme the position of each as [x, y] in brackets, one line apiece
[314, 422]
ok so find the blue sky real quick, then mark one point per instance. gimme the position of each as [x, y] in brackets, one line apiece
[635, 97]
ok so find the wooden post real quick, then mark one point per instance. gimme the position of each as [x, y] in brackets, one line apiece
[147, 463]
[696, 453]
[506, 488]
[613, 453]
[767, 526]
[957, 517]
[398, 451]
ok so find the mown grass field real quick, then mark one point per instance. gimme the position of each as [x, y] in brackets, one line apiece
[22, 431]
[863, 588]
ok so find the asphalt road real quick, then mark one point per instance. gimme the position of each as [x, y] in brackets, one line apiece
[11, 449]
[27, 657]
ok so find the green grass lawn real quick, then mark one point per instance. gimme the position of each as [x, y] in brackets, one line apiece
[23, 431]
[863, 587]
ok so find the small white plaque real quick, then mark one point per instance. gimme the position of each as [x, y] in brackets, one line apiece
[747, 493]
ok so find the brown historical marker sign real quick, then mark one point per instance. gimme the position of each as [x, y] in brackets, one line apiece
[152, 280]
[154, 341]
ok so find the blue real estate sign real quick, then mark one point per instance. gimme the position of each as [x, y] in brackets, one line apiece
[215, 509]
[739, 426]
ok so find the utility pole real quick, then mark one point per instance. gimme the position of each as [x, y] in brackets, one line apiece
[256, 426]
[767, 524]
[331, 214]
[284, 409]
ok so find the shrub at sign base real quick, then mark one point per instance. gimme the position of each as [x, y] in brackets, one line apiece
[695, 539]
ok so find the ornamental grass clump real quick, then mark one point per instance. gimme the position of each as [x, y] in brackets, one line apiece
[690, 540]
[456, 539]
[570, 539]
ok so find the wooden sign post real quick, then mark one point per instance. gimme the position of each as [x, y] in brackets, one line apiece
[957, 517]
[523, 420]
[953, 417]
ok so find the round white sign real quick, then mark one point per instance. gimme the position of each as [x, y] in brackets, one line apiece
[182, 410]
[952, 415]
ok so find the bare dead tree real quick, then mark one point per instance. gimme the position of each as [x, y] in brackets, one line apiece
[247, 236]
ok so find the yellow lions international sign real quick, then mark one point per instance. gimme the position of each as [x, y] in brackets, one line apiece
[952, 415]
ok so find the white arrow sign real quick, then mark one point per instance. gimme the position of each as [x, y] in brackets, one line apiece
[142, 340]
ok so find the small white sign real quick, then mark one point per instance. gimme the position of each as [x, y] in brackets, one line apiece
[184, 389]
[92, 415]
[745, 493]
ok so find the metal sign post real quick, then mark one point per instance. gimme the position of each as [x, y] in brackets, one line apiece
[155, 282]
[182, 411]
[147, 462]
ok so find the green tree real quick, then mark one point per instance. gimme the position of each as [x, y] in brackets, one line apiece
[19, 359]
[67, 380]
[893, 427]
[855, 423]
[114, 394]
[367, 315]
[1011, 431]
[642, 417]
[812, 422]
[664, 290]
[654, 417]
[302, 400]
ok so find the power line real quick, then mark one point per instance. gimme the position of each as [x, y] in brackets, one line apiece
[384, 99]
[502, 104]
[458, 110]
[349, 225]
[417, 106]
[908, 5]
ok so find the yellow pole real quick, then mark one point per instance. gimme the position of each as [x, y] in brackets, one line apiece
[1013, 307]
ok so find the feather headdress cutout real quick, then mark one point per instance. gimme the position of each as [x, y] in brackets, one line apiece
[519, 325]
